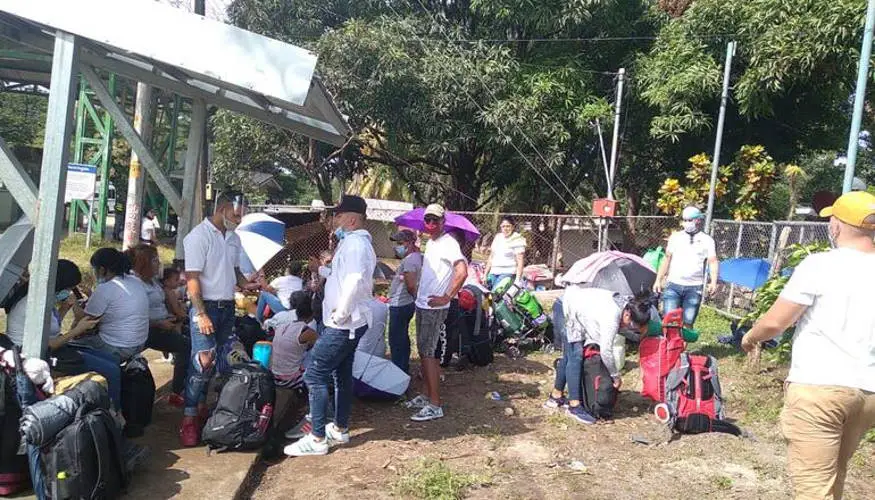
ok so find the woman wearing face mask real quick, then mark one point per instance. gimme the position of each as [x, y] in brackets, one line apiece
[121, 306]
[507, 255]
[402, 297]
[67, 278]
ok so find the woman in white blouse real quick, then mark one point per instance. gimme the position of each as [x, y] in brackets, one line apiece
[507, 255]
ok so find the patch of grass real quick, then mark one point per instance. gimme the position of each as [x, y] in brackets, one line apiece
[557, 419]
[434, 480]
[73, 248]
[722, 483]
[870, 436]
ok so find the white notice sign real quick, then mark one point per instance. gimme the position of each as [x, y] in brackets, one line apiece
[81, 180]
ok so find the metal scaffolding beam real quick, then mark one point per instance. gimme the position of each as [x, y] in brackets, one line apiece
[137, 143]
[189, 180]
[17, 181]
[50, 209]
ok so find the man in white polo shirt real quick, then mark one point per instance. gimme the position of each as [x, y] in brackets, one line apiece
[686, 254]
[212, 251]
[829, 401]
[444, 270]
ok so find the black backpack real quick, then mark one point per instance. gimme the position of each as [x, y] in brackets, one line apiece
[241, 420]
[599, 393]
[138, 396]
[85, 459]
[477, 341]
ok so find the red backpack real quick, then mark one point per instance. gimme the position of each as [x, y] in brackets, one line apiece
[693, 398]
[659, 354]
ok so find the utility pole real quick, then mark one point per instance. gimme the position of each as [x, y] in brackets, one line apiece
[859, 97]
[621, 77]
[136, 174]
[718, 142]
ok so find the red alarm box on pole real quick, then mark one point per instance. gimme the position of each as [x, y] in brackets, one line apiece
[604, 207]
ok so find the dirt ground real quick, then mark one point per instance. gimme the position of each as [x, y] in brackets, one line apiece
[479, 451]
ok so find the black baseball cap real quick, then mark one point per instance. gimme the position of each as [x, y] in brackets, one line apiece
[350, 203]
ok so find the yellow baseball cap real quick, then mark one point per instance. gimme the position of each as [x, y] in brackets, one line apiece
[856, 208]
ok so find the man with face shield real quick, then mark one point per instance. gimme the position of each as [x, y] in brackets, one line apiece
[684, 267]
[829, 396]
[212, 251]
[349, 289]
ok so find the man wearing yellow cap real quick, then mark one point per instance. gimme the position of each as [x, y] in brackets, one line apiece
[829, 399]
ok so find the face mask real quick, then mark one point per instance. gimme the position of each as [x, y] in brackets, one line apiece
[691, 226]
[833, 237]
[325, 271]
[400, 251]
[340, 233]
[63, 295]
[431, 227]
[229, 224]
[97, 277]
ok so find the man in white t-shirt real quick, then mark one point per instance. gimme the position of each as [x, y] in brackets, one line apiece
[402, 295]
[284, 286]
[829, 401]
[686, 254]
[212, 257]
[149, 228]
[444, 270]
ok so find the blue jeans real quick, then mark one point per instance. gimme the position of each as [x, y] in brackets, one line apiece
[687, 297]
[399, 336]
[269, 300]
[108, 366]
[27, 396]
[568, 370]
[558, 324]
[332, 356]
[198, 380]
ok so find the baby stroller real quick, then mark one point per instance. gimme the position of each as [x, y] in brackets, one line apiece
[519, 320]
[467, 331]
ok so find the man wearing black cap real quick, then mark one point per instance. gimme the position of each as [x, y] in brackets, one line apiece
[402, 295]
[348, 291]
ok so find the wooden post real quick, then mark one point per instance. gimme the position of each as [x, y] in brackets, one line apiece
[557, 244]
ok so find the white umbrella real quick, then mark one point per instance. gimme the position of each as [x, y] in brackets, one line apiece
[262, 237]
[376, 377]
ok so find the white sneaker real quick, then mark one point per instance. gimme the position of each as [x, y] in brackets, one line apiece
[417, 403]
[429, 412]
[334, 434]
[307, 446]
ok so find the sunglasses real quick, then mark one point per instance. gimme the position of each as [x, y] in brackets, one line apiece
[432, 218]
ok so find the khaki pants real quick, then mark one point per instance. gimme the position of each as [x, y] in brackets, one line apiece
[823, 426]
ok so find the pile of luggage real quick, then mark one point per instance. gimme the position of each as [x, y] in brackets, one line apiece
[685, 386]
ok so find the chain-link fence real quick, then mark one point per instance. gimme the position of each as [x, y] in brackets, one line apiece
[554, 241]
[756, 240]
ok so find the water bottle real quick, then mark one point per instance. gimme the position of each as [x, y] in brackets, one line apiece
[264, 418]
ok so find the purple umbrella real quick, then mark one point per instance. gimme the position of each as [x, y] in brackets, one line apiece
[415, 219]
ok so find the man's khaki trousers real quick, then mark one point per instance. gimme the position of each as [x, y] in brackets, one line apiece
[823, 426]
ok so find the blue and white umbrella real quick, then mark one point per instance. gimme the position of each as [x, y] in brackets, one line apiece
[262, 237]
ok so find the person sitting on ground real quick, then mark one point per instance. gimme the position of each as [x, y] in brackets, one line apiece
[593, 316]
[291, 341]
[507, 254]
[829, 396]
[284, 286]
[373, 342]
[165, 330]
[149, 228]
[121, 305]
[402, 297]
[67, 278]
[172, 282]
